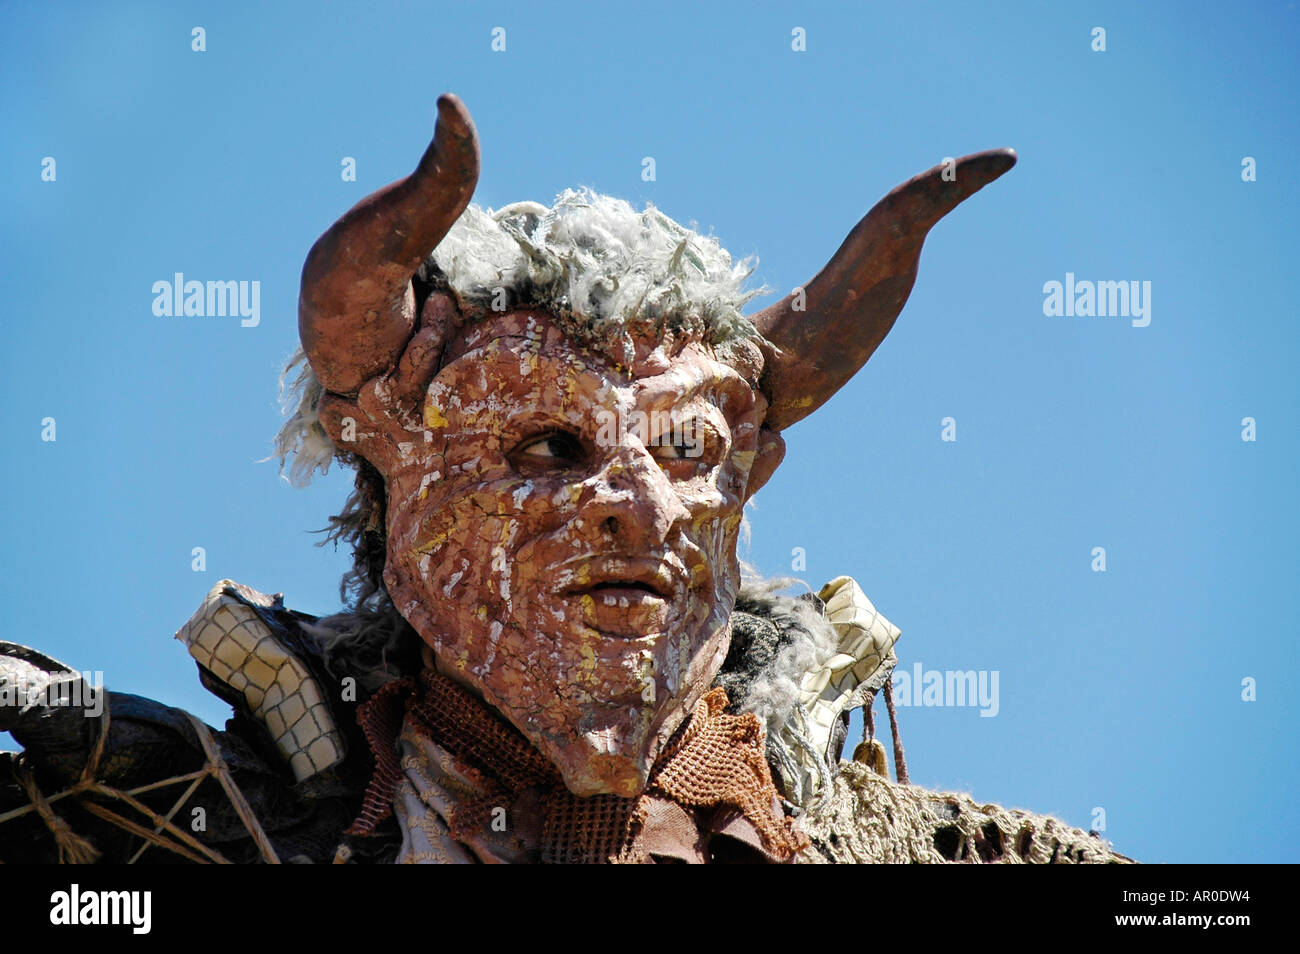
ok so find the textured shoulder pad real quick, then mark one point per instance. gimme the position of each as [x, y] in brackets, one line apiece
[231, 637]
[863, 659]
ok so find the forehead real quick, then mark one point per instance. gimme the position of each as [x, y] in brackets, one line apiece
[518, 353]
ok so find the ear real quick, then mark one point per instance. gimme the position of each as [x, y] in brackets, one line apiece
[353, 426]
[771, 451]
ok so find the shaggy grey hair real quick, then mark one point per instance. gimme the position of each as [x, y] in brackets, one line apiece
[591, 260]
[302, 438]
[598, 265]
[770, 689]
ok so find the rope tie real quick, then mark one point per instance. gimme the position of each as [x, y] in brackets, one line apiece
[73, 849]
[76, 849]
[900, 760]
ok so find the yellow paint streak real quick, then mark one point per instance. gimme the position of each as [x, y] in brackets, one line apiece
[588, 664]
[433, 416]
[433, 544]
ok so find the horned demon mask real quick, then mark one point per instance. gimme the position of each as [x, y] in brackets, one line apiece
[569, 412]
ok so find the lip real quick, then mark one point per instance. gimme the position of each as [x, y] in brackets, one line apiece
[623, 581]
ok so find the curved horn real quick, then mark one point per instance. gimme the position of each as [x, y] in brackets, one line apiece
[356, 310]
[853, 301]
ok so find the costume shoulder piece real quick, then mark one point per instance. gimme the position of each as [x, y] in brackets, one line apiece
[115, 777]
[251, 653]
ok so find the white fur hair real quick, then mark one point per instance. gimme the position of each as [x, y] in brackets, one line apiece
[302, 438]
[591, 260]
[595, 260]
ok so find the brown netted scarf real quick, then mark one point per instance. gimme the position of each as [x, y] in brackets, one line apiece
[713, 770]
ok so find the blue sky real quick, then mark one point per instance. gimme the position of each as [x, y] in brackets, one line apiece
[1119, 690]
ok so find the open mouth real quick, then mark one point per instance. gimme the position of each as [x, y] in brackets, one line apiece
[624, 582]
[626, 588]
[624, 597]
[622, 592]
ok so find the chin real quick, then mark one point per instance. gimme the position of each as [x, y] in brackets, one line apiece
[587, 772]
[614, 749]
[617, 756]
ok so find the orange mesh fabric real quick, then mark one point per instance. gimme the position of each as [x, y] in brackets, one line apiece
[593, 830]
[719, 761]
[381, 720]
[714, 762]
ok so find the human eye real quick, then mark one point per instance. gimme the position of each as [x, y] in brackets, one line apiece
[549, 450]
[687, 449]
[670, 452]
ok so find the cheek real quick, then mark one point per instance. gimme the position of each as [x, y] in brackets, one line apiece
[463, 541]
[715, 503]
[479, 554]
[456, 568]
[720, 493]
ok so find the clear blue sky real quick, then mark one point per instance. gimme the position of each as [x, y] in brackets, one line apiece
[1120, 690]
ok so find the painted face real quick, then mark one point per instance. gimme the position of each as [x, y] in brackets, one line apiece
[565, 538]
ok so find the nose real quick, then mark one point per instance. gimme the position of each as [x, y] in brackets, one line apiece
[632, 503]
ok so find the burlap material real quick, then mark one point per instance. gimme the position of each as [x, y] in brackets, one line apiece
[867, 819]
[712, 778]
